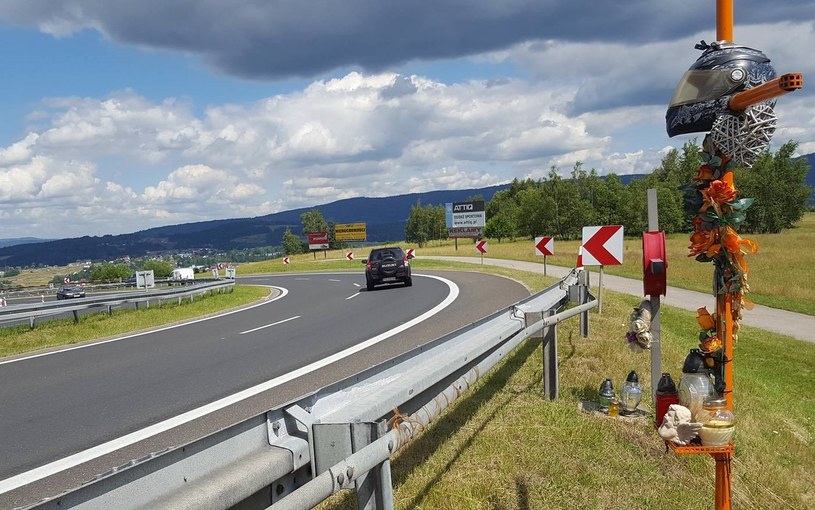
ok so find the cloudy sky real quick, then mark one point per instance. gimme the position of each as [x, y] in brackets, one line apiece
[119, 115]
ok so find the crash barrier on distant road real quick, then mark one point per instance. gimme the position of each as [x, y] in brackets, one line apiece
[35, 311]
[341, 436]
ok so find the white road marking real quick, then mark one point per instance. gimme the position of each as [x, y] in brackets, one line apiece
[76, 459]
[333, 280]
[357, 284]
[352, 296]
[283, 293]
[269, 325]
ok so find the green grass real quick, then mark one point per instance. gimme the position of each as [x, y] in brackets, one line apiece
[505, 446]
[52, 333]
[781, 274]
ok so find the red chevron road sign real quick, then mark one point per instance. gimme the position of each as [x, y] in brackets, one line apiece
[603, 246]
[481, 246]
[544, 246]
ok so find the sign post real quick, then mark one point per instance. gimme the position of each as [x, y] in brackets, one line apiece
[481, 246]
[602, 246]
[544, 246]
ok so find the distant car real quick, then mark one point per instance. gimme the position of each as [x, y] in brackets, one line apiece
[131, 280]
[70, 291]
[387, 265]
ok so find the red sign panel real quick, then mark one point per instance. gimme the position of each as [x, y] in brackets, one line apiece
[544, 246]
[286, 260]
[317, 240]
[481, 246]
[349, 255]
[603, 246]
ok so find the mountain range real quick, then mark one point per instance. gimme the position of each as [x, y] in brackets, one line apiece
[385, 219]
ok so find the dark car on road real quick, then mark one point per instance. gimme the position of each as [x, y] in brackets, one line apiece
[70, 291]
[387, 265]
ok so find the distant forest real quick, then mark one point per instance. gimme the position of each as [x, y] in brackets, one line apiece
[562, 206]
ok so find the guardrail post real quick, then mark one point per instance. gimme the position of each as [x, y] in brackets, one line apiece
[582, 297]
[549, 351]
[374, 491]
[76, 317]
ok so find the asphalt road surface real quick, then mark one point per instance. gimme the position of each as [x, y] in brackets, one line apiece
[66, 403]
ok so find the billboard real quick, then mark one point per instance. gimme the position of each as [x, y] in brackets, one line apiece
[317, 240]
[350, 232]
[468, 215]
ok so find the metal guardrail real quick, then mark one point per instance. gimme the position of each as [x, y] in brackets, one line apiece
[34, 311]
[341, 436]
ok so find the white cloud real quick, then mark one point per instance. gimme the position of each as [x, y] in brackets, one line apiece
[124, 162]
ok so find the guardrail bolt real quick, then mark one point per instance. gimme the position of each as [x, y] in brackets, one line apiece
[340, 479]
[349, 472]
[276, 426]
[280, 489]
[390, 446]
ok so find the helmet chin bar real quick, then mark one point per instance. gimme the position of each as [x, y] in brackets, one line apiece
[746, 135]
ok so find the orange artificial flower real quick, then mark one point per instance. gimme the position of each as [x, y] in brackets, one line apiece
[704, 241]
[704, 318]
[705, 173]
[711, 344]
[719, 192]
[733, 242]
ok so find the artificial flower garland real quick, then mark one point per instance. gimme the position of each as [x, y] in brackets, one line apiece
[715, 239]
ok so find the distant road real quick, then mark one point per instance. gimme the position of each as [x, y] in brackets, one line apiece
[796, 325]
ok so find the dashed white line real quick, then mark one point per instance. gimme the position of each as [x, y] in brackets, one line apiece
[269, 325]
[352, 296]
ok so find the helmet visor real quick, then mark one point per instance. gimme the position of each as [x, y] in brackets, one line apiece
[703, 85]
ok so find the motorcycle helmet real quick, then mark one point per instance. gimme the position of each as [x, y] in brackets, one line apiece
[704, 91]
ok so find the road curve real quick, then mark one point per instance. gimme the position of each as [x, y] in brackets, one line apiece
[64, 403]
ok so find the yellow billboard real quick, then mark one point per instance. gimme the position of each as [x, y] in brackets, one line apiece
[350, 232]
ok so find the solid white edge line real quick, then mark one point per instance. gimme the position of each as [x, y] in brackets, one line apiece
[76, 459]
[283, 293]
[269, 325]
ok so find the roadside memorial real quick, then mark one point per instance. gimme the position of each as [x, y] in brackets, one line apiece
[730, 92]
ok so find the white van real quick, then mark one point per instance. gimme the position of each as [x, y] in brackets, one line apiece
[182, 274]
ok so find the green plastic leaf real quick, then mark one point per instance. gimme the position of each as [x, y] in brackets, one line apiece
[742, 204]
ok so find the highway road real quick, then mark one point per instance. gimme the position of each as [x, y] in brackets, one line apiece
[96, 406]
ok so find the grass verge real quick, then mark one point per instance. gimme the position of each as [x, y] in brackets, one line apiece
[52, 333]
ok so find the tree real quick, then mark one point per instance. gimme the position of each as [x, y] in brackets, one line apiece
[160, 268]
[777, 184]
[313, 221]
[425, 224]
[110, 271]
[292, 244]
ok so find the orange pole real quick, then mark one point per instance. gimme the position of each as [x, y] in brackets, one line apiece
[722, 481]
[724, 20]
